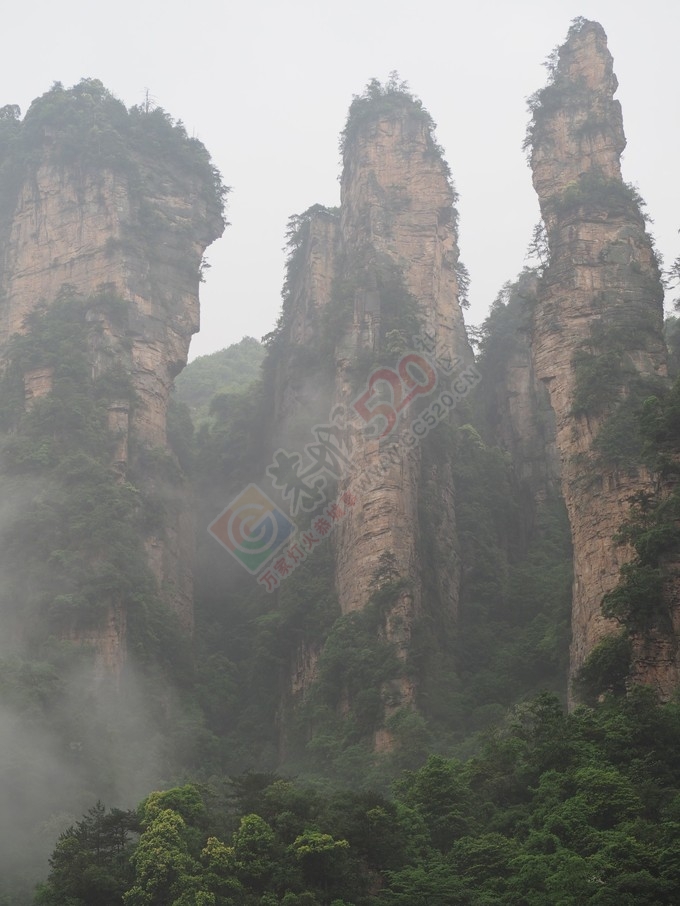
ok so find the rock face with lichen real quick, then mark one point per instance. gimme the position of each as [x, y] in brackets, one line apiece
[363, 281]
[597, 340]
[117, 207]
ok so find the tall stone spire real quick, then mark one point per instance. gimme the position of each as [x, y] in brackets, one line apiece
[597, 327]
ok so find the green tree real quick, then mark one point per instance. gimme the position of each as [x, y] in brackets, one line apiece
[91, 861]
[432, 883]
[165, 872]
[440, 793]
[256, 852]
[321, 856]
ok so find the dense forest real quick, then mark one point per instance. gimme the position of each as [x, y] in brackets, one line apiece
[553, 809]
[417, 719]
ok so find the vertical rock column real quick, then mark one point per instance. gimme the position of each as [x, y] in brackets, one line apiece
[397, 212]
[134, 229]
[301, 387]
[597, 325]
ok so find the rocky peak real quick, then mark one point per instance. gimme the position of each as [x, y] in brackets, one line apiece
[114, 206]
[362, 282]
[577, 128]
[597, 327]
[398, 201]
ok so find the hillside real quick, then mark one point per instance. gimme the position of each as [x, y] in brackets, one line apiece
[226, 371]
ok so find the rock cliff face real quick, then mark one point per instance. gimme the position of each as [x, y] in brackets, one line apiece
[597, 341]
[118, 219]
[365, 280]
[300, 391]
[398, 210]
[516, 404]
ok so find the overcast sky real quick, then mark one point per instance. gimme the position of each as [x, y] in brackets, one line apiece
[266, 87]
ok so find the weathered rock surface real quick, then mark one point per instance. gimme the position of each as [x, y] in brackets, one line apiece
[84, 231]
[354, 274]
[397, 202]
[137, 233]
[600, 301]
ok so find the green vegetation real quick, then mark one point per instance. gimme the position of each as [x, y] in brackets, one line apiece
[63, 442]
[559, 94]
[356, 677]
[594, 192]
[510, 642]
[553, 809]
[308, 362]
[378, 282]
[601, 383]
[226, 371]
[515, 589]
[642, 600]
[369, 276]
[389, 100]
[73, 528]
[671, 331]
[599, 379]
[75, 549]
[606, 669]
[515, 594]
[71, 556]
[86, 126]
[87, 132]
[608, 386]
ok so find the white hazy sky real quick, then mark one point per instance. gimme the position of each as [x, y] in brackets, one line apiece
[266, 87]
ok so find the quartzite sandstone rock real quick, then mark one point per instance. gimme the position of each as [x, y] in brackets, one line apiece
[96, 228]
[394, 236]
[600, 295]
[398, 203]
